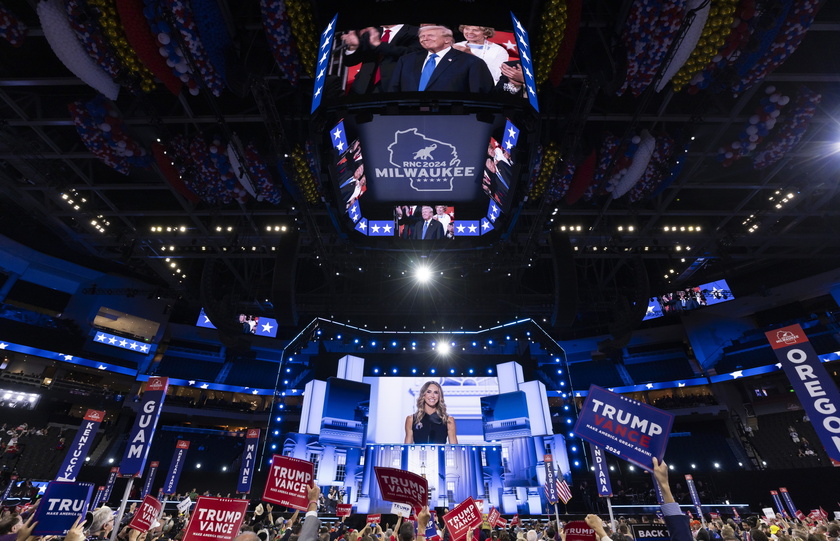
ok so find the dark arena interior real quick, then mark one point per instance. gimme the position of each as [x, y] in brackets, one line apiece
[415, 235]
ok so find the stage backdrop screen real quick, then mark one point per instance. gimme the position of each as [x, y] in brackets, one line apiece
[505, 416]
[374, 412]
[345, 417]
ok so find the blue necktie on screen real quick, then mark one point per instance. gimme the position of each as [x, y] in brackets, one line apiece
[426, 74]
[425, 228]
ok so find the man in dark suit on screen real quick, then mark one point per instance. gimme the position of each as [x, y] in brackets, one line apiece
[440, 68]
[377, 50]
[428, 228]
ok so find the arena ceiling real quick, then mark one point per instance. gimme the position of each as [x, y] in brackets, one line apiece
[713, 222]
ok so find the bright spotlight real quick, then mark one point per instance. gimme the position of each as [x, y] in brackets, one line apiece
[443, 348]
[423, 274]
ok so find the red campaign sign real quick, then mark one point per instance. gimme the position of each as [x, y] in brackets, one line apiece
[288, 480]
[502, 522]
[216, 519]
[578, 530]
[252, 433]
[94, 415]
[515, 520]
[146, 514]
[465, 516]
[493, 517]
[157, 384]
[374, 519]
[402, 487]
[343, 509]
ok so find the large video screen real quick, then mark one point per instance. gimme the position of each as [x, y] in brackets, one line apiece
[472, 429]
[688, 299]
[250, 324]
[375, 411]
[392, 58]
[393, 173]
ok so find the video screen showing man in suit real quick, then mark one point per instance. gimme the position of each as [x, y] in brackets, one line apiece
[427, 228]
[440, 67]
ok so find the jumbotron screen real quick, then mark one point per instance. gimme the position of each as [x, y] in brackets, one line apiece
[454, 431]
[688, 299]
[424, 177]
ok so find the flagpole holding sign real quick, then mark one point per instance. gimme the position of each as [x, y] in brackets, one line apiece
[612, 518]
[140, 439]
[602, 478]
[121, 512]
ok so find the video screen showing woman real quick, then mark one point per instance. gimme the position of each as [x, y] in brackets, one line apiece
[430, 423]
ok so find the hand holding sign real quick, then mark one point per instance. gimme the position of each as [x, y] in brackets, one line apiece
[77, 532]
[25, 531]
[423, 518]
[595, 522]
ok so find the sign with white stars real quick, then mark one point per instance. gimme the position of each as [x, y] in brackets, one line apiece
[362, 226]
[493, 211]
[339, 137]
[354, 211]
[324, 52]
[467, 228]
[486, 226]
[381, 228]
[511, 136]
[526, 61]
[119, 342]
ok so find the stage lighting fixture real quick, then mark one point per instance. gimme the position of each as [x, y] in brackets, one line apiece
[443, 348]
[423, 274]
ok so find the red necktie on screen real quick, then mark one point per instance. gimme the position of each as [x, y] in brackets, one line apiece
[386, 37]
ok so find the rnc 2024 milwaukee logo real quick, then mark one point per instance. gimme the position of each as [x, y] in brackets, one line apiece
[786, 337]
[429, 164]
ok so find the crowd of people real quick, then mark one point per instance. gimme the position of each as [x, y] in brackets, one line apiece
[263, 524]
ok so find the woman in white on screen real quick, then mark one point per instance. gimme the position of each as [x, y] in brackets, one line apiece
[476, 43]
[430, 423]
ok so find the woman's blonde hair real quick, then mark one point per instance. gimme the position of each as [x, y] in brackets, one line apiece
[488, 31]
[441, 405]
